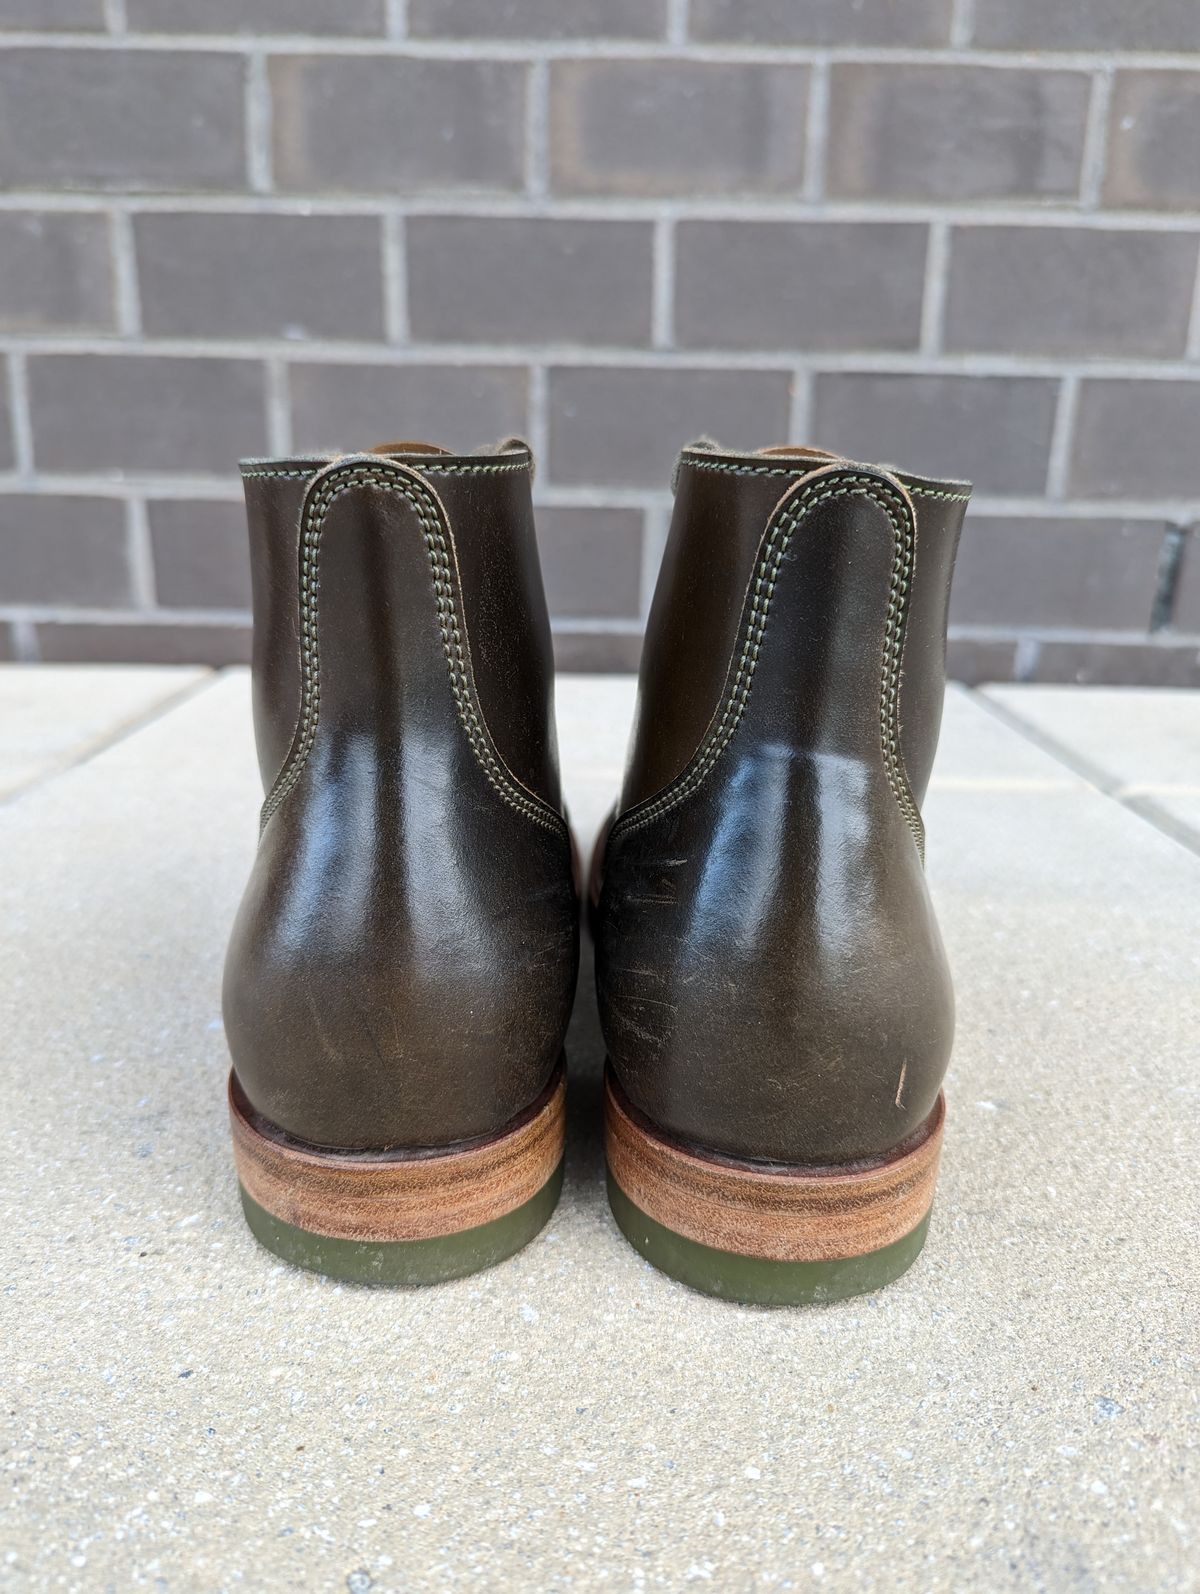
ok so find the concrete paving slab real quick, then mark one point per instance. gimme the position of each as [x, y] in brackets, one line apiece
[1139, 745]
[55, 714]
[182, 1412]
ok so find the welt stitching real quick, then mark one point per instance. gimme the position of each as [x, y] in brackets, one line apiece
[428, 470]
[310, 702]
[763, 591]
[798, 471]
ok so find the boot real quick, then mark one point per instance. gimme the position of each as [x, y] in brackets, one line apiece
[400, 974]
[773, 991]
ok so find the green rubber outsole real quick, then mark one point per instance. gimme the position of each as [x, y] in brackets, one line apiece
[433, 1261]
[755, 1280]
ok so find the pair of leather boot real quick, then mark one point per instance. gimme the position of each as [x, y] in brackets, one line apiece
[773, 992]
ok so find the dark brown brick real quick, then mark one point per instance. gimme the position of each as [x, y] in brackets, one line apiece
[397, 126]
[676, 127]
[256, 16]
[492, 280]
[1163, 662]
[63, 550]
[1136, 440]
[110, 413]
[1087, 24]
[266, 276]
[954, 132]
[537, 19]
[1060, 290]
[974, 660]
[135, 119]
[201, 554]
[623, 427]
[595, 653]
[818, 285]
[355, 406]
[993, 430]
[53, 16]
[143, 643]
[1154, 140]
[55, 271]
[1099, 574]
[591, 561]
[877, 22]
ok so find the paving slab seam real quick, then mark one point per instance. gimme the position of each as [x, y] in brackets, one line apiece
[111, 737]
[1142, 807]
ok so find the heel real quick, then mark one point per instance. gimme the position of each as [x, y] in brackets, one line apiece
[400, 1217]
[768, 1236]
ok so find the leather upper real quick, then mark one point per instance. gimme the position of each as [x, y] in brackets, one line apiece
[771, 979]
[401, 970]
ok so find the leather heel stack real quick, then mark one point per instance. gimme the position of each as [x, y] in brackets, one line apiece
[400, 1217]
[769, 1236]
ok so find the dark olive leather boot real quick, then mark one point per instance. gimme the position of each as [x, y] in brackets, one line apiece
[773, 990]
[400, 975]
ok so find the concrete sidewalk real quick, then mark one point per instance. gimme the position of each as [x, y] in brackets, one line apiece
[1020, 1412]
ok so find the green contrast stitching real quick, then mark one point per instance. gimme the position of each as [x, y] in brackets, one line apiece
[800, 470]
[428, 470]
[425, 508]
[738, 696]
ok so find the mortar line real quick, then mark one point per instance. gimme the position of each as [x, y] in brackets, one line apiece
[279, 410]
[26, 648]
[816, 130]
[655, 526]
[20, 419]
[140, 554]
[539, 419]
[678, 21]
[933, 296]
[800, 409]
[397, 19]
[518, 50]
[1193, 337]
[1094, 160]
[607, 356]
[259, 172]
[962, 24]
[1096, 777]
[115, 19]
[226, 488]
[783, 209]
[537, 130]
[662, 334]
[395, 278]
[126, 289]
[1062, 433]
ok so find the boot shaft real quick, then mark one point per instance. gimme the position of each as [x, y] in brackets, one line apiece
[870, 554]
[475, 518]
[771, 978]
[401, 969]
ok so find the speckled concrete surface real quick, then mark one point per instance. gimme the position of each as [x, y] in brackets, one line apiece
[1139, 745]
[180, 1412]
[55, 715]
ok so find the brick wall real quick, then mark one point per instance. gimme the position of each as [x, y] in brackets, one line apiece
[960, 234]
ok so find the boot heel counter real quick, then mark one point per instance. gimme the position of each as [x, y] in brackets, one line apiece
[401, 968]
[772, 979]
